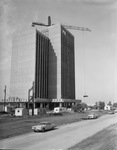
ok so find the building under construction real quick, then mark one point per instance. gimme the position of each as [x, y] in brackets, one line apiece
[43, 55]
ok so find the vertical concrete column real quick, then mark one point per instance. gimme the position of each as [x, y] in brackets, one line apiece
[66, 105]
[47, 105]
[34, 105]
[41, 105]
[20, 105]
[60, 104]
[71, 104]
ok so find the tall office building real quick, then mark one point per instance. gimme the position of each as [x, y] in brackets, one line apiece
[45, 56]
[61, 63]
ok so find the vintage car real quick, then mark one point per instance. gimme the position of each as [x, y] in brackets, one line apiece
[43, 126]
[111, 112]
[92, 116]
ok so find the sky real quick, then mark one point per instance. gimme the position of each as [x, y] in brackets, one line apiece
[95, 51]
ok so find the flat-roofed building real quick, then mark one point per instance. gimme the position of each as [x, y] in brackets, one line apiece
[61, 62]
[45, 56]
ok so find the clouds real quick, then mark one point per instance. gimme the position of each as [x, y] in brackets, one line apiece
[99, 2]
[7, 13]
[6, 30]
[93, 2]
[12, 19]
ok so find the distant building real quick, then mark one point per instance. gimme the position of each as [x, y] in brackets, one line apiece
[45, 56]
[107, 107]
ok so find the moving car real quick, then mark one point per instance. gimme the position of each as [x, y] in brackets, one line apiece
[43, 126]
[110, 112]
[92, 116]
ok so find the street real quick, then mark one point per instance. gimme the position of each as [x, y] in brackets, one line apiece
[61, 138]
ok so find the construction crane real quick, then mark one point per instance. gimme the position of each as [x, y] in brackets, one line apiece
[42, 24]
[66, 26]
[76, 28]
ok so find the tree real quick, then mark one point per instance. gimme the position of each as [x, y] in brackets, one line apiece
[115, 105]
[84, 105]
[110, 104]
[76, 107]
[95, 107]
[79, 107]
[101, 105]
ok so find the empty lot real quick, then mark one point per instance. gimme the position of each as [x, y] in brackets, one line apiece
[12, 126]
[62, 138]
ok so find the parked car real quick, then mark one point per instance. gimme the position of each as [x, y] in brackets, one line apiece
[59, 109]
[92, 116]
[110, 112]
[54, 113]
[43, 126]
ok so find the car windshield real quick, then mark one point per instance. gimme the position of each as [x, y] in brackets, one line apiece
[91, 114]
[42, 123]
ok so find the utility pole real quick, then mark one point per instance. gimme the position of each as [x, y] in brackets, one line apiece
[4, 97]
[28, 100]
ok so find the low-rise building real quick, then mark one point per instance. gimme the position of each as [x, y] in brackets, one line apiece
[20, 112]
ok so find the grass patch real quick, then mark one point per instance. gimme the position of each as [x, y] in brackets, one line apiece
[12, 126]
[103, 140]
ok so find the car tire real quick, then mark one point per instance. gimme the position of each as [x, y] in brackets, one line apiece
[43, 130]
[35, 131]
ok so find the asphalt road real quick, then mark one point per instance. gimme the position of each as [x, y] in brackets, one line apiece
[61, 138]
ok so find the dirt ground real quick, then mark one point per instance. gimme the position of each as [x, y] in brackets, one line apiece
[12, 126]
[103, 140]
[68, 135]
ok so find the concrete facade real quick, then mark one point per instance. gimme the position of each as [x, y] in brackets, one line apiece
[54, 34]
[46, 56]
[61, 63]
[41, 65]
[22, 63]
[67, 65]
